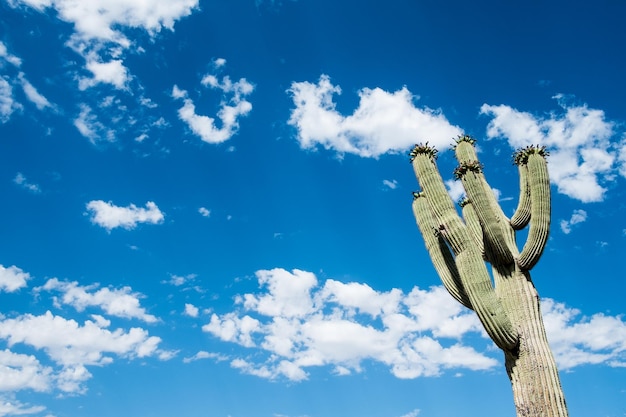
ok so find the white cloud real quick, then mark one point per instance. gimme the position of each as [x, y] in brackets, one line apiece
[204, 211]
[578, 216]
[299, 324]
[205, 355]
[11, 407]
[413, 413]
[383, 123]
[178, 280]
[19, 371]
[7, 103]
[233, 105]
[391, 184]
[582, 156]
[32, 94]
[113, 72]
[21, 180]
[72, 346]
[4, 54]
[89, 126]
[455, 189]
[121, 302]
[110, 216]
[191, 310]
[12, 278]
[99, 26]
[293, 323]
[584, 340]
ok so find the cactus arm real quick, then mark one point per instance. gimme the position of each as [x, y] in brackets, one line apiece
[440, 255]
[487, 208]
[470, 265]
[486, 303]
[473, 224]
[521, 217]
[539, 185]
[448, 221]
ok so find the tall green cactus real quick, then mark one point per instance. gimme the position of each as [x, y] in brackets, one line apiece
[460, 247]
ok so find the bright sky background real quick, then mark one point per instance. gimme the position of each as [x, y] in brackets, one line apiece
[206, 205]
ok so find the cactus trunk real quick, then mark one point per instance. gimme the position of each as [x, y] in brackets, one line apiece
[508, 307]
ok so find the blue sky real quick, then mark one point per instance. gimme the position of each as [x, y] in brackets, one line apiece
[206, 204]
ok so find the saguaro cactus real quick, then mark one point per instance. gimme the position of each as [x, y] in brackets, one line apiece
[461, 247]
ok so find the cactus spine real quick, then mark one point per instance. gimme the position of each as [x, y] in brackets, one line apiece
[460, 247]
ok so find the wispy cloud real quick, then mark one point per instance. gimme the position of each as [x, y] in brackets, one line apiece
[233, 105]
[391, 184]
[21, 180]
[578, 216]
[99, 27]
[32, 94]
[384, 122]
[110, 216]
[4, 54]
[204, 212]
[7, 103]
[582, 155]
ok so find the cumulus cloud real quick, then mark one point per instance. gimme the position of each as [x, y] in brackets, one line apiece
[21, 180]
[19, 371]
[299, 323]
[191, 310]
[293, 323]
[582, 155]
[384, 122]
[118, 302]
[579, 340]
[12, 278]
[72, 346]
[233, 105]
[111, 216]
[578, 216]
[204, 212]
[99, 26]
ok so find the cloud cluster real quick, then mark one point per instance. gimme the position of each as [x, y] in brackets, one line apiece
[384, 122]
[578, 216]
[99, 26]
[299, 324]
[582, 156]
[233, 105]
[110, 216]
[48, 352]
[293, 323]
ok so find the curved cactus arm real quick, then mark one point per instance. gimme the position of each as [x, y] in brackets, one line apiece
[539, 185]
[442, 208]
[492, 219]
[487, 305]
[473, 224]
[439, 252]
[521, 217]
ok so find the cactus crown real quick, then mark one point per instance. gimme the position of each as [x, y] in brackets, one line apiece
[463, 138]
[465, 167]
[423, 149]
[520, 157]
